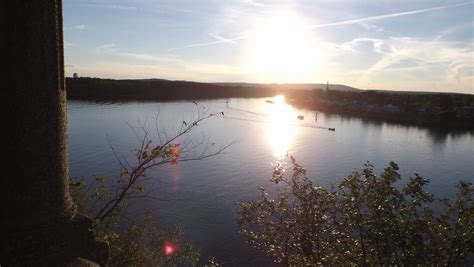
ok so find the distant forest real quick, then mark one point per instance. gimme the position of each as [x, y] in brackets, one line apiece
[438, 109]
[97, 89]
[157, 90]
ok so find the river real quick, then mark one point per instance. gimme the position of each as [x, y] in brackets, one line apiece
[202, 194]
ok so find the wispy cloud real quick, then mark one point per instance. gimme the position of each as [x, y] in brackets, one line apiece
[106, 48]
[386, 16]
[76, 27]
[108, 5]
[182, 71]
[149, 57]
[379, 46]
[112, 50]
[253, 3]
[221, 38]
[68, 45]
[219, 41]
[444, 62]
[120, 7]
[361, 21]
[372, 27]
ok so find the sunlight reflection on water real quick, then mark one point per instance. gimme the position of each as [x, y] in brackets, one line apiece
[280, 132]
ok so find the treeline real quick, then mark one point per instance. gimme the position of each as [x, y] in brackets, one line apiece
[96, 89]
[405, 100]
[439, 109]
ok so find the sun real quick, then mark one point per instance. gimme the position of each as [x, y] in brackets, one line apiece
[281, 48]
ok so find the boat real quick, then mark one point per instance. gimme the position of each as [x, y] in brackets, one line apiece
[269, 101]
[300, 117]
[332, 129]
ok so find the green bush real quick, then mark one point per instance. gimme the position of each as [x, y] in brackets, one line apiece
[366, 220]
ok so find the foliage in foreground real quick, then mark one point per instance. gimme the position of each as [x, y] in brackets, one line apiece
[137, 242]
[366, 220]
[141, 244]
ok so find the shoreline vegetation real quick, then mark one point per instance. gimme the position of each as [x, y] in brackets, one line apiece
[446, 111]
[365, 220]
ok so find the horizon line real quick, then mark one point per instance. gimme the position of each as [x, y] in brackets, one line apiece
[275, 83]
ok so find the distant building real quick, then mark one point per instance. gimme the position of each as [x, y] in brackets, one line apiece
[75, 76]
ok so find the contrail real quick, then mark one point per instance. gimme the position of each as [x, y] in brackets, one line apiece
[220, 41]
[379, 17]
[344, 22]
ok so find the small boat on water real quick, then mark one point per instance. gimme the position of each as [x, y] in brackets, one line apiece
[332, 129]
[269, 101]
[300, 117]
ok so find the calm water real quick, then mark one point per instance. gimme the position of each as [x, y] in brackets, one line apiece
[204, 192]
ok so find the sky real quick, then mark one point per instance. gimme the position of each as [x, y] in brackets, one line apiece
[423, 45]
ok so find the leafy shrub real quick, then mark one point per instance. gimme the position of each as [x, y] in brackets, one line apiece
[138, 242]
[366, 220]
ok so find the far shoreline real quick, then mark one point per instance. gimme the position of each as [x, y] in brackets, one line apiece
[445, 111]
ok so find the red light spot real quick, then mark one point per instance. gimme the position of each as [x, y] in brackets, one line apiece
[170, 248]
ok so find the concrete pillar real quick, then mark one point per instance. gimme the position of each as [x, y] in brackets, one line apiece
[39, 222]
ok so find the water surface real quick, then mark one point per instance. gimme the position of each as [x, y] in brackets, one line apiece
[204, 193]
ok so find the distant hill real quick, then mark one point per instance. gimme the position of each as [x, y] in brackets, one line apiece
[297, 86]
[285, 86]
[86, 88]
[162, 89]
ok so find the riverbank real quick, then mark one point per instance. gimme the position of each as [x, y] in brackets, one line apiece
[443, 110]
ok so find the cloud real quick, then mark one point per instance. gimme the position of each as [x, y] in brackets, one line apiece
[124, 64]
[253, 3]
[378, 45]
[361, 21]
[120, 7]
[112, 50]
[106, 48]
[439, 63]
[183, 71]
[455, 29]
[76, 27]
[220, 40]
[228, 25]
[141, 56]
[223, 39]
[157, 7]
[391, 15]
[371, 27]
[398, 63]
[183, 68]
[67, 45]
